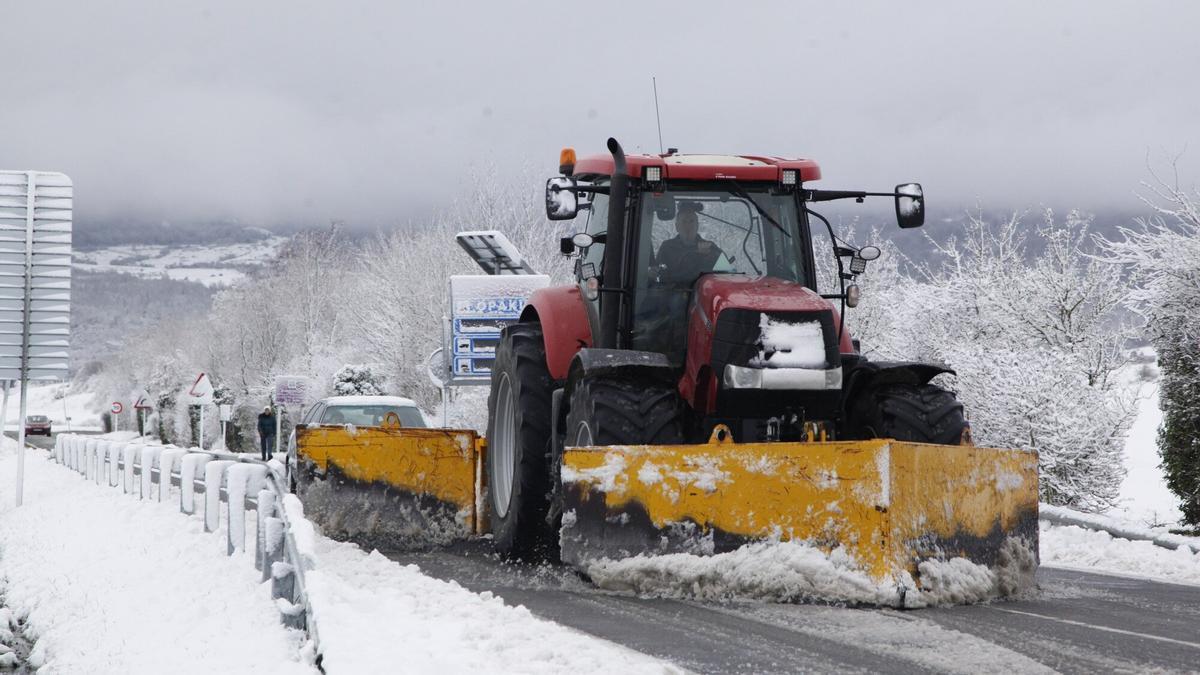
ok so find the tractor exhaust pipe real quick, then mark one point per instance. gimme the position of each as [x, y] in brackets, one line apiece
[612, 303]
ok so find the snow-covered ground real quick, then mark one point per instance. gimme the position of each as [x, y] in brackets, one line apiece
[1144, 494]
[218, 265]
[1079, 548]
[54, 401]
[108, 583]
[374, 611]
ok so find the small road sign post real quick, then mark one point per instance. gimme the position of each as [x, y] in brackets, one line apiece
[141, 403]
[117, 409]
[201, 394]
[35, 285]
[225, 410]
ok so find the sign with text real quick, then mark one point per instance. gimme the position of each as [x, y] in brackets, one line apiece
[480, 307]
[291, 390]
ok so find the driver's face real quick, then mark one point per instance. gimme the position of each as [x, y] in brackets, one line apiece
[686, 224]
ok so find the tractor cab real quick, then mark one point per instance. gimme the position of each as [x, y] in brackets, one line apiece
[710, 266]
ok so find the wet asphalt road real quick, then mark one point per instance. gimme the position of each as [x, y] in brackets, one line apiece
[1076, 622]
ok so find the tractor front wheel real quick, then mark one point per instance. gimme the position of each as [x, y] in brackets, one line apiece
[518, 442]
[921, 413]
[608, 411]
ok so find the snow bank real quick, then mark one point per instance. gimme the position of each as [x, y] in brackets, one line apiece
[1079, 548]
[109, 583]
[1121, 529]
[794, 571]
[373, 611]
[1144, 497]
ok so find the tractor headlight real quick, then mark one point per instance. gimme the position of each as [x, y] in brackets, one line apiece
[738, 377]
[789, 178]
[743, 377]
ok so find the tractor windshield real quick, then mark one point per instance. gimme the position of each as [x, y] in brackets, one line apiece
[691, 230]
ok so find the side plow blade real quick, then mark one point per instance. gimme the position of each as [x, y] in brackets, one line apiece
[890, 505]
[389, 487]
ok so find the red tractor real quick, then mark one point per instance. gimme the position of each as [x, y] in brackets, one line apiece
[696, 315]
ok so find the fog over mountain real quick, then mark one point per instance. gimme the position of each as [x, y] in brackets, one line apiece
[298, 113]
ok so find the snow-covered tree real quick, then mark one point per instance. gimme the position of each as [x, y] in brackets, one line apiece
[357, 380]
[1162, 253]
[1035, 341]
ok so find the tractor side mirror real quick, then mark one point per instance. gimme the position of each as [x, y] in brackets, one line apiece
[561, 201]
[910, 205]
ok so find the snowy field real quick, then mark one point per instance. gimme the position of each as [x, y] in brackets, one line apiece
[220, 265]
[54, 401]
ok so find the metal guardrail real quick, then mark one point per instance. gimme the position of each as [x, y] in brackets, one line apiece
[238, 481]
[1058, 515]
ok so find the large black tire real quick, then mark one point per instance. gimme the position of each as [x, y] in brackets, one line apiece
[518, 445]
[617, 411]
[921, 413]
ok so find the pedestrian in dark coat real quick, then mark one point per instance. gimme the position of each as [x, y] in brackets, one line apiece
[266, 432]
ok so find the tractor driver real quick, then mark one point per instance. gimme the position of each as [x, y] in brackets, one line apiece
[687, 255]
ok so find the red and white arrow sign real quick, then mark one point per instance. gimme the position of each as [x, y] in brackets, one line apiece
[201, 392]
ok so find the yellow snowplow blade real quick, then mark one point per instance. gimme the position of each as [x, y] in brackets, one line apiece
[389, 487]
[890, 504]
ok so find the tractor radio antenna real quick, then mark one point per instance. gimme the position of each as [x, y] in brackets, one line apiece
[657, 117]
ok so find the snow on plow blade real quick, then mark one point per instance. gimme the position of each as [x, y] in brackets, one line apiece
[389, 487]
[890, 505]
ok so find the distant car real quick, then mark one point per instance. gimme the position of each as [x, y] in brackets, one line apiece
[361, 411]
[37, 424]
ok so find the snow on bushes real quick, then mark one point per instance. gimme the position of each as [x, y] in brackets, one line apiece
[1035, 340]
[1162, 254]
[357, 380]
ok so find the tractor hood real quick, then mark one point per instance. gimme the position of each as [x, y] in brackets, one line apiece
[717, 292]
[723, 329]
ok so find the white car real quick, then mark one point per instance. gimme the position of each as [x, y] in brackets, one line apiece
[361, 411]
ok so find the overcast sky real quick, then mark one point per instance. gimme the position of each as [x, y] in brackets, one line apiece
[371, 112]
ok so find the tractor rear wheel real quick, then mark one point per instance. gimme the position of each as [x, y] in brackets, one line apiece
[518, 441]
[921, 413]
[611, 411]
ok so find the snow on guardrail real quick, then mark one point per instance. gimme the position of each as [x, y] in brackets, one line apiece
[1058, 515]
[283, 538]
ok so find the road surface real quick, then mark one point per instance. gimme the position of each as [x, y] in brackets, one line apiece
[1076, 622]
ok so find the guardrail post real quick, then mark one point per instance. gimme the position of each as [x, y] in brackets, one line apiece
[89, 461]
[113, 452]
[265, 508]
[189, 466]
[272, 545]
[240, 480]
[167, 461]
[214, 471]
[149, 461]
[129, 454]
